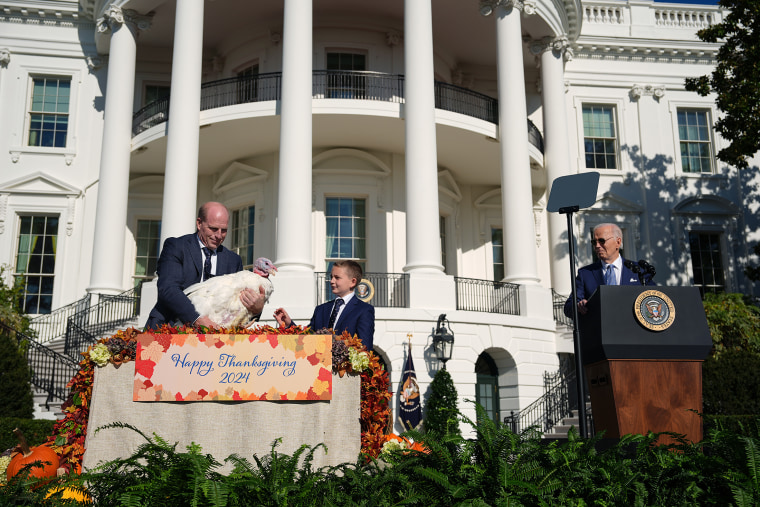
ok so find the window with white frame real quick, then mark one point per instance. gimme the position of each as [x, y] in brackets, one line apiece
[148, 242]
[497, 246]
[243, 221]
[35, 260]
[345, 219]
[600, 142]
[343, 80]
[695, 140]
[49, 111]
[707, 261]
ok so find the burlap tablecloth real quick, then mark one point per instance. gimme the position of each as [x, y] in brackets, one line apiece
[223, 428]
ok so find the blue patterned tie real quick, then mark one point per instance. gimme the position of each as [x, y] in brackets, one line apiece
[609, 275]
[207, 264]
[334, 314]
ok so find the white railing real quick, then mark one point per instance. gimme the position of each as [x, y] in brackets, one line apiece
[613, 13]
[683, 18]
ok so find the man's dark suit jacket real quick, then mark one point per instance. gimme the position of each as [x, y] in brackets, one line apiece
[180, 265]
[591, 277]
[357, 318]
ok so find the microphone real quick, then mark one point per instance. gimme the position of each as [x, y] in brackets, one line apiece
[647, 268]
[632, 266]
[647, 271]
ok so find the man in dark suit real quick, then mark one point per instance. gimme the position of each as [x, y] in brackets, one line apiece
[610, 269]
[347, 312]
[194, 258]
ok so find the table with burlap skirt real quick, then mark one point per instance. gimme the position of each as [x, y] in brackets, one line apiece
[223, 428]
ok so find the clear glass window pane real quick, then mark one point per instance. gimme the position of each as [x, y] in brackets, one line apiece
[600, 136]
[346, 233]
[148, 240]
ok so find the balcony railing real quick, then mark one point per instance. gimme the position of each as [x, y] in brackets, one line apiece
[487, 296]
[391, 289]
[329, 84]
[558, 301]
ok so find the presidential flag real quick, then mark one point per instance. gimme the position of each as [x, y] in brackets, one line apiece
[410, 410]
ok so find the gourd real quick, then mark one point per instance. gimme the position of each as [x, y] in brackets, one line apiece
[42, 453]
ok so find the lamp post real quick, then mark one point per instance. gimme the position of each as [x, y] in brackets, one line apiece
[443, 340]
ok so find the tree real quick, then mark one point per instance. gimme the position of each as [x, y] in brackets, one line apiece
[441, 415]
[735, 80]
[16, 395]
[734, 325]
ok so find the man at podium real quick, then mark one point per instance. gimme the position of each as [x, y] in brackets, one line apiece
[610, 269]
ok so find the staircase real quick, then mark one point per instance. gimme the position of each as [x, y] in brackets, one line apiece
[554, 412]
[54, 356]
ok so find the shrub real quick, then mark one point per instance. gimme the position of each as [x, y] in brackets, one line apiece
[36, 431]
[734, 325]
[441, 410]
[731, 383]
[16, 398]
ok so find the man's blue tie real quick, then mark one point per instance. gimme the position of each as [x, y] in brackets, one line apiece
[207, 263]
[334, 314]
[609, 275]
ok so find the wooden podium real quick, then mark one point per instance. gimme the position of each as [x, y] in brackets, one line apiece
[642, 349]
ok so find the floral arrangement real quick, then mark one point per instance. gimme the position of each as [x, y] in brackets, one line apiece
[349, 356]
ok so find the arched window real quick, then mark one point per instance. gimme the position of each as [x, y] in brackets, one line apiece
[487, 386]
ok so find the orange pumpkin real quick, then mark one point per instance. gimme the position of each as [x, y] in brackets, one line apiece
[41, 453]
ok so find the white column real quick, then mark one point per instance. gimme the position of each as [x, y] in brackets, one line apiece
[552, 53]
[423, 243]
[181, 178]
[516, 195]
[107, 272]
[295, 179]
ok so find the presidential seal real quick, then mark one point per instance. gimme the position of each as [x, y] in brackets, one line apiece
[654, 310]
[365, 290]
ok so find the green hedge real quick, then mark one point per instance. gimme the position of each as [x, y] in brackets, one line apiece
[731, 383]
[36, 431]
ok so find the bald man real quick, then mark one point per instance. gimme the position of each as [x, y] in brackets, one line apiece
[194, 258]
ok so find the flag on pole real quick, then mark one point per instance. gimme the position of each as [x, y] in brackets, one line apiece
[410, 410]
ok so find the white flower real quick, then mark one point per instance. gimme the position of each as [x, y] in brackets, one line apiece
[100, 354]
[359, 360]
[392, 446]
[4, 462]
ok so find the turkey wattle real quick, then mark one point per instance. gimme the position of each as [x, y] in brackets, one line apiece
[219, 297]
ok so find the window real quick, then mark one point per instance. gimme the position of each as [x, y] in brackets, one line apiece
[346, 230]
[600, 137]
[148, 239]
[241, 233]
[442, 228]
[497, 243]
[694, 135]
[248, 80]
[35, 261]
[154, 93]
[49, 112]
[707, 261]
[487, 386]
[343, 80]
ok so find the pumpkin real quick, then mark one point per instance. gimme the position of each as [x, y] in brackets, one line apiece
[70, 493]
[27, 456]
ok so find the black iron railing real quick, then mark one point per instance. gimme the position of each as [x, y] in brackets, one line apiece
[53, 325]
[391, 289]
[560, 401]
[487, 296]
[111, 313]
[50, 370]
[331, 84]
[558, 302]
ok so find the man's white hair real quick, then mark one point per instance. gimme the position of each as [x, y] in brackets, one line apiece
[616, 231]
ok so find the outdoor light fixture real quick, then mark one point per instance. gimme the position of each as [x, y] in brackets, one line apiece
[443, 340]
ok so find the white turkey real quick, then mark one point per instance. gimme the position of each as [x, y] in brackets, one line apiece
[219, 297]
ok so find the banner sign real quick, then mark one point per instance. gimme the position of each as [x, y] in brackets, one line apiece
[233, 367]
